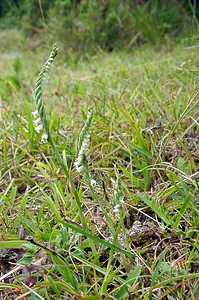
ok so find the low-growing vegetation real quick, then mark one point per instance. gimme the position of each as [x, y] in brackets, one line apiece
[99, 172]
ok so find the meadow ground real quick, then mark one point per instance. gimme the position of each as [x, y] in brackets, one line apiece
[121, 222]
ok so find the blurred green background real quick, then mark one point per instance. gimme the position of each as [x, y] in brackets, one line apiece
[87, 26]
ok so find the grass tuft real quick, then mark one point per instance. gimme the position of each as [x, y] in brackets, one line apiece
[126, 225]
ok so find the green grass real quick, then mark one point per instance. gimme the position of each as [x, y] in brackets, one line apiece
[126, 227]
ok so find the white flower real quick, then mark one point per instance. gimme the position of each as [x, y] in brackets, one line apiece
[39, 128]
[44, 138]
[116, 209]
[78, 167]
[93, 183]
[122, 200]
[79, 161]
[35, 113]
[37, 121]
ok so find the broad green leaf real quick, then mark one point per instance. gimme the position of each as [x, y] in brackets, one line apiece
[135, 181]
[123, 292]
[97, 239]
[155, 274]
[172, 280]
[182, 211]
[156, 208]
[16, 244]
[65, 271]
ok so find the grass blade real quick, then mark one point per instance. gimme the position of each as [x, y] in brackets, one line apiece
[16, 244]
[123, 292]
[183, 209]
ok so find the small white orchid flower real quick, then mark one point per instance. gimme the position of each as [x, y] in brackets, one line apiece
[116, 209]
[93, 182]
[35, 113]
[39, 128]
[44, 138]
[79, 161]
[37, 121]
